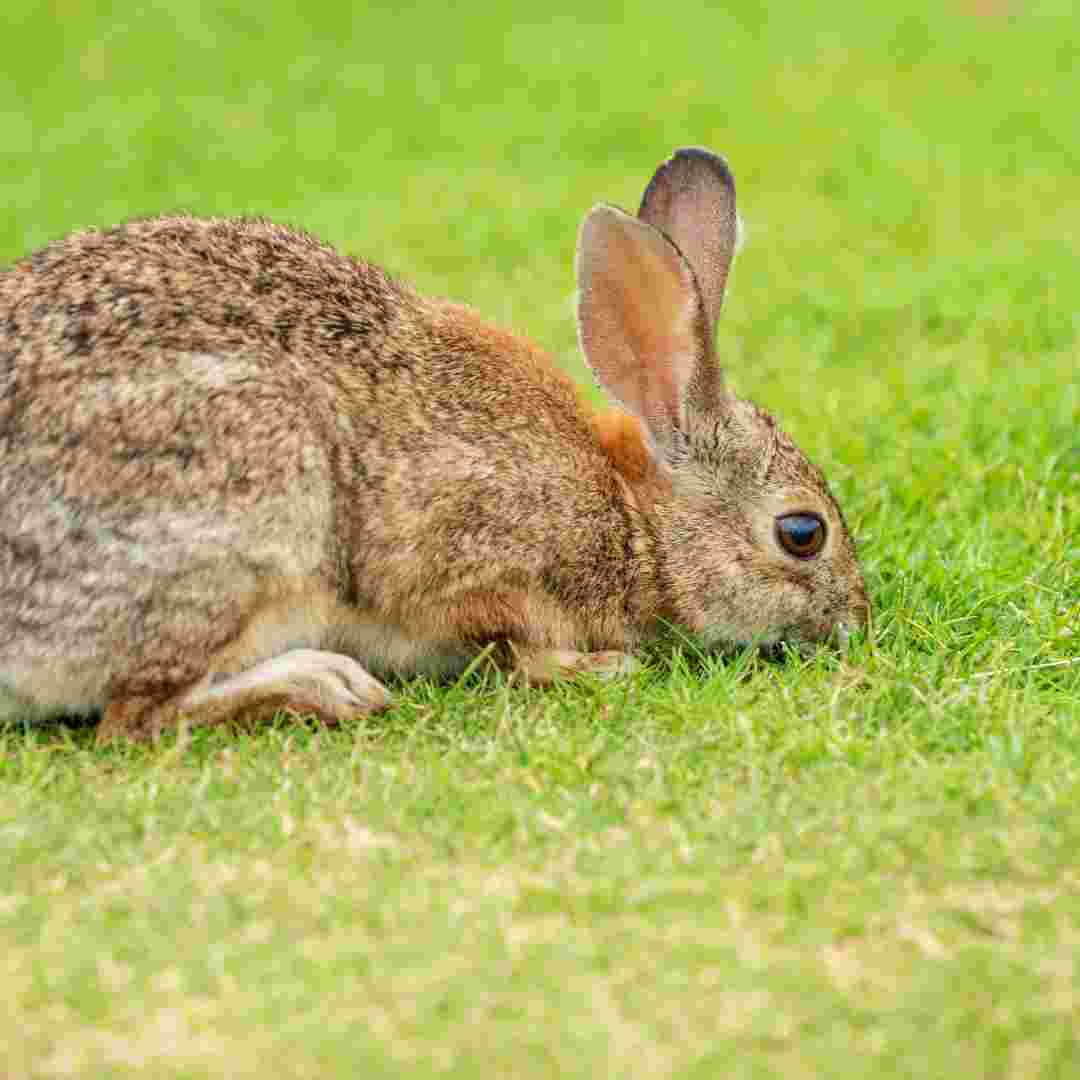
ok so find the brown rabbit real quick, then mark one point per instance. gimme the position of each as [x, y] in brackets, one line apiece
[241, 471]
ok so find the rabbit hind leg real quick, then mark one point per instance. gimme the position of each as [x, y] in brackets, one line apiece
[245, 654]
[329, 686]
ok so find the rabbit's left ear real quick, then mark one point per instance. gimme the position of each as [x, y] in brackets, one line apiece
[691, 199]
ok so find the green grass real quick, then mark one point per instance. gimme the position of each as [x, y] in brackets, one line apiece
[844, 866]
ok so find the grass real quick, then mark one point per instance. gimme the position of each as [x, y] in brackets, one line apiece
[861, 865]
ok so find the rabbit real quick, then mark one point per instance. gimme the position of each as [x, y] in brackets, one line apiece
[243, 473]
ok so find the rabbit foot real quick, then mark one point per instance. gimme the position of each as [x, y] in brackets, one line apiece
[332, 687]
[552, 665]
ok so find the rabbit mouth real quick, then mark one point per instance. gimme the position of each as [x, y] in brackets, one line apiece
[792, 641]
[774, 651]
[778, 651]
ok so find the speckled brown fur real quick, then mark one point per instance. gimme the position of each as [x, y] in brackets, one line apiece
[221, 442]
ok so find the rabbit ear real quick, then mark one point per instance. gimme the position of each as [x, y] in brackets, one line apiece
[641, 322]
[691, 198]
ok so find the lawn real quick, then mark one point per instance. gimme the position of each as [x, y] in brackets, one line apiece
[842, 865]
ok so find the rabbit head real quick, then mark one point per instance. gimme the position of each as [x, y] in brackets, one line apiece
[750, 546]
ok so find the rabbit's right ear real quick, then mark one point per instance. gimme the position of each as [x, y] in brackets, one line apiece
[642, 323]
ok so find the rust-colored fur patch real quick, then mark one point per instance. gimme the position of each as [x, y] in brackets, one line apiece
[484, 616]
[619, 434]
[623, 441]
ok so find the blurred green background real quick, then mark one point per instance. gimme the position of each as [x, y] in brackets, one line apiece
[858, 867]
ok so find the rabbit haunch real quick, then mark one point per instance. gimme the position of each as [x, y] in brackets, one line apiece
[240, 471]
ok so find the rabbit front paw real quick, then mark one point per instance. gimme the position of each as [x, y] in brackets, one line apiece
[548, 666]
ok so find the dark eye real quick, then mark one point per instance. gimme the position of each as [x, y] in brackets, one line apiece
[801, 535]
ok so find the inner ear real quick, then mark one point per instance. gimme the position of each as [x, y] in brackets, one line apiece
[641, 321]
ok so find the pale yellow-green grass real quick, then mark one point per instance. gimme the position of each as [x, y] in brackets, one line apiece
[860, 865]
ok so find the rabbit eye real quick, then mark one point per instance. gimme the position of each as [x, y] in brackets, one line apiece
[801, 535]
